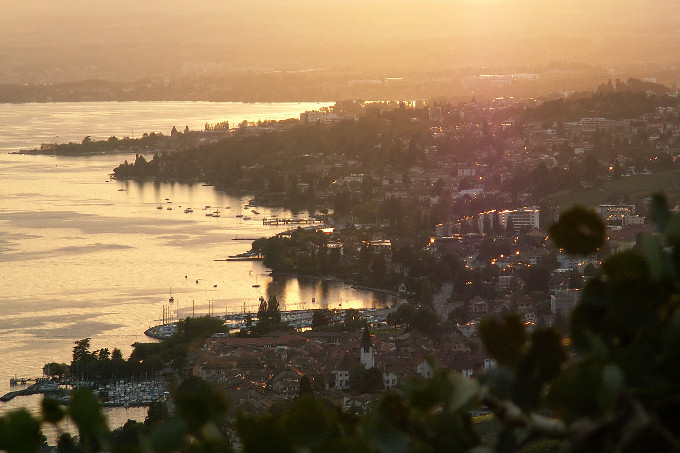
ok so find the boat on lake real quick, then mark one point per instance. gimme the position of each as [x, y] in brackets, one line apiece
[188, 210]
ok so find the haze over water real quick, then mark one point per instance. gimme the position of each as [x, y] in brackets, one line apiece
[83, 256]
[24, 126]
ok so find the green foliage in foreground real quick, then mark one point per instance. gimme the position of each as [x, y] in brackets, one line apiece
[616, 387]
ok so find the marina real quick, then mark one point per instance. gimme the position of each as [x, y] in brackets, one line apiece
[116, 393]
[82, 259]
[300, 319]
[290, 221]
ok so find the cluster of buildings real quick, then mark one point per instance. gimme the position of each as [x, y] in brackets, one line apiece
[258, 371]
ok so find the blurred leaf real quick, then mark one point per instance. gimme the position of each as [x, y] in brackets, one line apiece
[594, 294]
[612, 383]
[481, 449]
[659, 212]
[20, 432]
[586, 389]
[263, 434]
[578, 231]
[626, 266]
[464, 391]
[505, 339]
[169, 435]
[52, 411]
[507, 441]
[658, 265]
[499, 379]
[198, 403]
[539, 365]
[88, 417]
[310, 423]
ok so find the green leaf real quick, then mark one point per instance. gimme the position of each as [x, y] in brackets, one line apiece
[20, 432]
[169, 435]
[505, 339]
[198, 403]
[659, 211]
[658, 264]
[499, 379]
[588, 388]
[612, 382]
[578, 231]
[464, 391]
[51, 411]
[539, 365]
[88, 417]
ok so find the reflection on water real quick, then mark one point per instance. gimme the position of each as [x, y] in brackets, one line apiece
[83, 256]
[307, 293]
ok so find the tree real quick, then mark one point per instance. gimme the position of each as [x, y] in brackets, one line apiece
[103, 354]
[362, 380]
[305, 386]
[158, 413]
[81, 350]
[273, 311]
[53, 369]
[321, 318]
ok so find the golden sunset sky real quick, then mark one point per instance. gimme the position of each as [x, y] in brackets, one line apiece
[131, 39]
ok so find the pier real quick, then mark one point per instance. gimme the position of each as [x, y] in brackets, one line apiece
[44, 386]
[278, 221]
[124, 392]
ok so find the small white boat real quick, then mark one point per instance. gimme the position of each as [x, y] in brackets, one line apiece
[188, 210]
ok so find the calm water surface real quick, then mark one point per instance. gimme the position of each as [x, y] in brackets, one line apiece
[24, 126]
[84, 256]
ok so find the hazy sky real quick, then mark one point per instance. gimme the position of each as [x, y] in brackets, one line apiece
[129, 39]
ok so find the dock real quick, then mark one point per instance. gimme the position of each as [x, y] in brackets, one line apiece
[44, 386]
[278, 221]
[246, 256]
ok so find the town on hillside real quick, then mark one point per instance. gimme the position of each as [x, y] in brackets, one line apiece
[447, 206]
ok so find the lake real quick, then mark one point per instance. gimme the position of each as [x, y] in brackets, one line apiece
[82, 255]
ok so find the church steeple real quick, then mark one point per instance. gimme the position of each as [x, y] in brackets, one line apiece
[367, 351]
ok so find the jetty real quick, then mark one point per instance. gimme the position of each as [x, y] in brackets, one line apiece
[246, 256]
[278, 221]
[44, 386]
[16, 381]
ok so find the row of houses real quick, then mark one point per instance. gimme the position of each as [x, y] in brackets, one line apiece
[255, 369]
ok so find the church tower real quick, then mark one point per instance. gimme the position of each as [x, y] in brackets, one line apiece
[367, 351]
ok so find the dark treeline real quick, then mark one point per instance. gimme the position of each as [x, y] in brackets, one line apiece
[617, 100]
[146, 358]
[276, 161]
